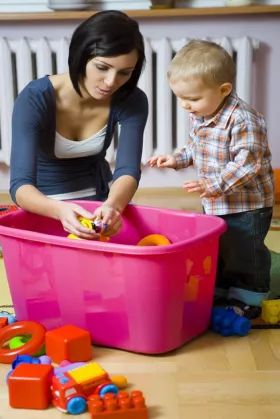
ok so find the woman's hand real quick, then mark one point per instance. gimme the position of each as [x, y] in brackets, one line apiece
[68, 214]
[111, 219]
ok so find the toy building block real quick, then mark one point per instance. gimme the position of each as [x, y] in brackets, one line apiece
[228, 323]
[271, 311]
[29, 386]
[3, 322]
[6, 209]
[121, 406]
[11, 318]
[69, 343]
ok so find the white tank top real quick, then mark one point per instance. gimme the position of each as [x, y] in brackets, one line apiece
[68, 149]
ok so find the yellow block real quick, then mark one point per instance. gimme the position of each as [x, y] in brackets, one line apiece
[87, 372]
[271, 311]
[120, 381]
[72, 236]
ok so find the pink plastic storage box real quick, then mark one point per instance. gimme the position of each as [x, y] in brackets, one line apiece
[149, 299]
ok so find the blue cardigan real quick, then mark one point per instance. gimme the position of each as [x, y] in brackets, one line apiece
[33, 135]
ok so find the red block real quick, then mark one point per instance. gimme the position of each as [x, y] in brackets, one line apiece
[3, 322]
[29, 386]
[121, 406]
[69, 343]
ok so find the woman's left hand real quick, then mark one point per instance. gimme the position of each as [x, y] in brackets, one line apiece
[110, 217]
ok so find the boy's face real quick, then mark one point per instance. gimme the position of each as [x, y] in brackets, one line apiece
[198, 98]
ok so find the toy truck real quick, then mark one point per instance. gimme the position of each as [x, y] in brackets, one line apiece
[71, 390]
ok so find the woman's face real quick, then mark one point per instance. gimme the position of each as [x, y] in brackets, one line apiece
[105, 75]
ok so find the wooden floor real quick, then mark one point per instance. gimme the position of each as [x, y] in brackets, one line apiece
[209, 378]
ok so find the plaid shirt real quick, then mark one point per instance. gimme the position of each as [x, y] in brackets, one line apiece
[232, 157]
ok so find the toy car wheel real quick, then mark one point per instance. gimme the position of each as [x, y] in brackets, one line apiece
[241, 326]
[76, 405]
[108, 388]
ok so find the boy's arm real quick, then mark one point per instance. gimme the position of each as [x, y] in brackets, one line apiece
[184, 158]
[247, 148]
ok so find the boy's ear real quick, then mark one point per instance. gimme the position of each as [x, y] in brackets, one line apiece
[226, 89]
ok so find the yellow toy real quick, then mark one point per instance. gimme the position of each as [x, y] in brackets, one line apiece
[271, 311]
[120, 381]
[95, 224]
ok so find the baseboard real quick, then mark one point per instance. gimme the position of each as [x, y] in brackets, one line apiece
[174, 198]
[5, 198]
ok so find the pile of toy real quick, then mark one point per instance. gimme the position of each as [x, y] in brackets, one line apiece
[75, 385]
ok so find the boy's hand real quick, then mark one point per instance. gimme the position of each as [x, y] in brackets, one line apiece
[164, 160]
[196, 186]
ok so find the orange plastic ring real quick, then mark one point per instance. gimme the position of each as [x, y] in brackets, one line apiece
[37, 332]
[154, 240]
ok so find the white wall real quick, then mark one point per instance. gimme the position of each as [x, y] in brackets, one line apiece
[266, 90]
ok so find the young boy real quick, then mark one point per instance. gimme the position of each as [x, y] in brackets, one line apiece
[228, 146]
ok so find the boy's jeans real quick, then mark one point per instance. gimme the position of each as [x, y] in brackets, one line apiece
[243, 271]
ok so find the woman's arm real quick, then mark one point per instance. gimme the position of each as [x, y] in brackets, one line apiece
[32, 200]
[121, 192]
[28, 124]
[29, 198]
[132, 121]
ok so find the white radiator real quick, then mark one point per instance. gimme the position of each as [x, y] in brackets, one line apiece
[167, 126]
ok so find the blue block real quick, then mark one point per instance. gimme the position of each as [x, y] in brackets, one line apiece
[228, 323]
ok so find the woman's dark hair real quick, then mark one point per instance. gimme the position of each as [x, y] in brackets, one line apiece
[105, 34]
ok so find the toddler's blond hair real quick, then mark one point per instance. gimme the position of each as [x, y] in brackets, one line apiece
[203, 59]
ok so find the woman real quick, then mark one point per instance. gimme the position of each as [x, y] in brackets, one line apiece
[63, 124]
